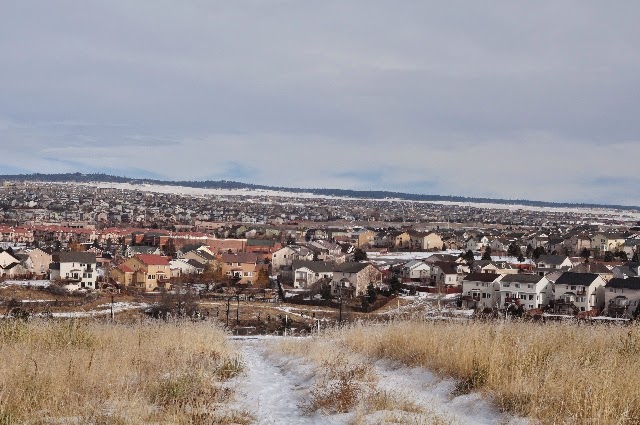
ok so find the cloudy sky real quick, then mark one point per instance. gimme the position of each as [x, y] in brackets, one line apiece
[534, 99]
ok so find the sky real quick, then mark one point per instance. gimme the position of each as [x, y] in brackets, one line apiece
[519, 100]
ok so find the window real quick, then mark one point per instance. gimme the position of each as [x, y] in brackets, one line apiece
[506, 285]
[517, 285]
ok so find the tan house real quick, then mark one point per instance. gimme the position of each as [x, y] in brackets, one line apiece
[402, 240]
[146, 272]
[242, 265]
[425, 241]
[352, 279]
[607, 242]
[40, 261]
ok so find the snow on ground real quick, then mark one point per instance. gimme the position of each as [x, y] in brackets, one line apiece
[274, 388]
[271, 392]
[427, 389]
[104, 310]
[32, 283]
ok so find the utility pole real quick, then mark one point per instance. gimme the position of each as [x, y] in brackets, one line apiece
[112, 316]
[238, 311]
[228, 305]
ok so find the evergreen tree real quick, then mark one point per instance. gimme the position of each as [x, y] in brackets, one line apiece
[608, 256]
[359, 255]
[487, 254]
[372, 293]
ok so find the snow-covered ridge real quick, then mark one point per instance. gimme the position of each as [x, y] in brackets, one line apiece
[193, 191]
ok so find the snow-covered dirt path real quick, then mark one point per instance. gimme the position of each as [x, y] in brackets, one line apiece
[272, 393]
[275, 389]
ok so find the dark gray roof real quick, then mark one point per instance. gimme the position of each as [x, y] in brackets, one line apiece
[521, 278]
[481, 277]
[195, 263]
[552, 259]
[350, 267]
[630, 283]
[584, 279]
[316, 266]
[74, 257]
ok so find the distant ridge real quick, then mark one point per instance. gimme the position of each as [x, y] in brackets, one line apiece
[347, 193]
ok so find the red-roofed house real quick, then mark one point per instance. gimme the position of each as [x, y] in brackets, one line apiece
[146, 272]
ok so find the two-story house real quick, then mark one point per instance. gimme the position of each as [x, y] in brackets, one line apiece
[146, 272]
[585, 290]
[352, 279]
[74, 266]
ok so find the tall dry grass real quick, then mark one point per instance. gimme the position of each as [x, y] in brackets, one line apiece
[90, 372]
[556, 373]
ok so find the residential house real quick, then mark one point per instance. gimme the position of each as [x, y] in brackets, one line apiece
[584, 290]
[352, 279]
[146, 272]
[425, 241]
[283, 258]
[622, 297]
[243, 266]
[479, 290]
[532, 291]
[39, 262]
[553, 262]
[416, 270]
[402, 240]
[308, 273]
[445, 273]
[607, 242]
[187, 266]
[74, 266]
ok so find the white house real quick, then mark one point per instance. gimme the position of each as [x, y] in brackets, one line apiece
[416, 270]
[285, 256]
[307, 273]
[479, 290]
[533, 291]
[553, 262]
[75, 266]
[585, 290]
[622, 296]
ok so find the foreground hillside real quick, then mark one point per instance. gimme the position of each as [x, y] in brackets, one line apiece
[104, 373]
[553, 373]
[417, 371]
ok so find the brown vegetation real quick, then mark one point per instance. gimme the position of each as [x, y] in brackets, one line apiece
[90, 372]
[556, 373]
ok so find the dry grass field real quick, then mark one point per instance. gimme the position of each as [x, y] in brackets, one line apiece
[555, 373]
[105, 373]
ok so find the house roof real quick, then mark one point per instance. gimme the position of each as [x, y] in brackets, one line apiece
[447, 267]
[481, 277]
[569, 278]
[591, 268]
[521, 278]
[74, 257]
[351, 267]
[315, 266]
[153, 260]
[194, 263]
[260, 242]
[629, 283]
[552, 259]
[240, 257]
[124, 268]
